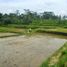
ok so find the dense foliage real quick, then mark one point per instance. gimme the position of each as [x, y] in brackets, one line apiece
[32, 19]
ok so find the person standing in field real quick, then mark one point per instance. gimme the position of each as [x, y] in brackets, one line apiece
[29, 30]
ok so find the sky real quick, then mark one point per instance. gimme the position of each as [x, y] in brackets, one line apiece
[59, 7]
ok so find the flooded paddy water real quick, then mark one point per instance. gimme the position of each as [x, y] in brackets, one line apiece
[25, 51]
[2, 35]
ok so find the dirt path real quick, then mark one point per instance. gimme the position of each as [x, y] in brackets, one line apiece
[22, 51]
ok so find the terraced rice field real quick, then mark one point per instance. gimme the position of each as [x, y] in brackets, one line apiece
[24, 51]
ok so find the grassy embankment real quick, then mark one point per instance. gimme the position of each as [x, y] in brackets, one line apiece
[57, 30]
[59, 59]
[10, 31]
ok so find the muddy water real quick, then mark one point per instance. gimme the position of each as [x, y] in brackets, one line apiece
[23, 51]
[7, 34]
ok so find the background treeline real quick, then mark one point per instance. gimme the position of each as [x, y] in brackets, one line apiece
[32, 19]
